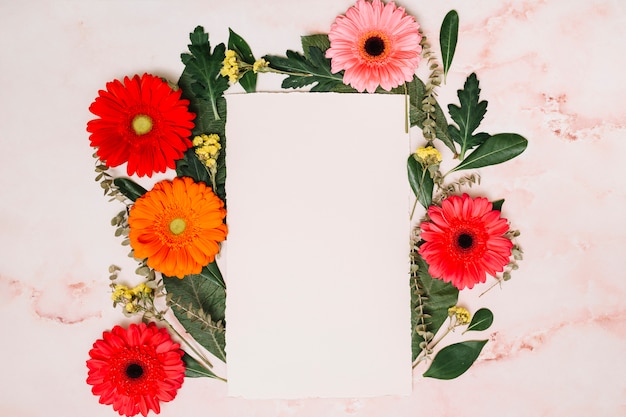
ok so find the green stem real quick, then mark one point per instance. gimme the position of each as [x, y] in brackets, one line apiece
[207, 363]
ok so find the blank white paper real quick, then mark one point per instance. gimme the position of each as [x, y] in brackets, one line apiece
[318, 300]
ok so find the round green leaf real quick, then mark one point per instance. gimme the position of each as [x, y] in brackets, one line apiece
[482, 320]
[452, 361]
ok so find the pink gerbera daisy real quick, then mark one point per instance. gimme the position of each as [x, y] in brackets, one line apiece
[375, 44]
[135, 369]
[463, 241]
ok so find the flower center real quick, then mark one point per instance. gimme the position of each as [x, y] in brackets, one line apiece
[178, 225]
[134, 371]
[465, 241]
[142, 124]
[374, 46]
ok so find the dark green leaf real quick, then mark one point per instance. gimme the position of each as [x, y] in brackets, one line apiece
[203, 66]
[482, 320]
[497, 205]
[421, 182]
[191, 166]
[193, 369]
[452, 361]
[129, 188]
[448, 36]
[468, 116]
[320, 42]
[241, 47]
[497, 149]
[416, 89]
[312, 68]
[199, 303]
[440, 296]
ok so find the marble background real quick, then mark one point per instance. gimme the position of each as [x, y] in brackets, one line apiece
[551, 71]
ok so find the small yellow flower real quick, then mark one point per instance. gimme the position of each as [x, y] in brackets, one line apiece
[207, 148]
[130, 308]
[230, 66]
[121, 293]
[462, 315]
[259, 64]
[428, 156]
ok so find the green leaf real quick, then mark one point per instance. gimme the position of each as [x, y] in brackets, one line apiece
[448, 36]
[452, 361]
[416, 89]
[497, 205]
[129, 188]
[320, 42]
[468, 116]
[312, 68]
[482, 320]
[191, 166]
[203, 67]
[193, 369]
[439, 295]
[421, 182]
[241, 47]
[497, 149]
[199, 302]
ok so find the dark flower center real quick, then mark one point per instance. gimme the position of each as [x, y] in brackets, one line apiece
[465, 241]
[134, 371]
[374, 46]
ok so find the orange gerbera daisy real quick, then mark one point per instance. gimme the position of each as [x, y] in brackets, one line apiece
[178, 226]
[135, 369]
[375, 44]
[142, 122]
[464, 241]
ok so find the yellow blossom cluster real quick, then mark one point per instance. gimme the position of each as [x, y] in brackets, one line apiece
[230, 66]
[259, 65]
[428, 156]
[207, 149]
[130, 297]
[462, 315]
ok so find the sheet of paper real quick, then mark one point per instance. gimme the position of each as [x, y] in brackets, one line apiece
[318, 300]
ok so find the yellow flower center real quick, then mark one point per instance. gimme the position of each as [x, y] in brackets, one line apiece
[142, 124]
[178, 225]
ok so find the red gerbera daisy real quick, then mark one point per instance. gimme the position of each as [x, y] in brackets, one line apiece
[375, 44]
[464, 241]
[136, 368]
[142, 122]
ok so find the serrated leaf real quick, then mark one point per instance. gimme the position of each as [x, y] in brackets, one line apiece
[196, 293]
[129, 188]
[191, 166]
[320, 42]
[468, 116]
[312, 68]
[452, 361]
[421, 182]
[495, 150]
[241, 47]
[193, 369]
[448, 36]
[482, 320]
[203, 66]
[440, 297]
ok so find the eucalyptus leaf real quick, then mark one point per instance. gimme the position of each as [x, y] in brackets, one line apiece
[129, 188]
[193, 369]
[495, 150]
[199, 303]
[448, 36]
[452, 361]
[421, 182]
[241, 47]
[439, 297]
[482, 320]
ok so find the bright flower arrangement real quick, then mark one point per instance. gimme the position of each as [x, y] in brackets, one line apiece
[176, 228]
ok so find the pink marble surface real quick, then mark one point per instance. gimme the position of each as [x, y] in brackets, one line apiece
[551, 70]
